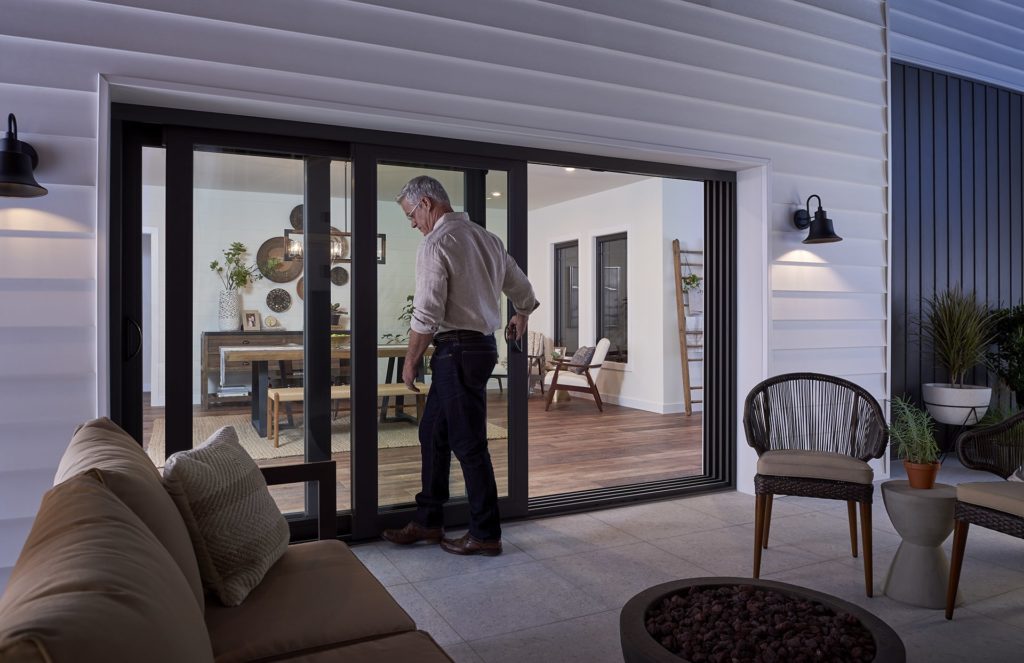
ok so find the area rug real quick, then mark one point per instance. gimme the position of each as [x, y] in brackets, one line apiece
[390, 436]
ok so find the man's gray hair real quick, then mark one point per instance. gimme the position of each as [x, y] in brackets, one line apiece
[422, 187]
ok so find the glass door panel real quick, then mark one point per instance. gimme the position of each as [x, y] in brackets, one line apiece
[250, 241]
[398, 449]
[496, 206]
[341, 284]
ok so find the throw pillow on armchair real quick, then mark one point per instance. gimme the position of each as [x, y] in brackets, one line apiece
[582, 359]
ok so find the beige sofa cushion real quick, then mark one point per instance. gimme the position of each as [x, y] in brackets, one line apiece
[814, 465]
[92, 583]
[349, 604]
[415, 646]
[129, 474]
[1005, 496]
[236, 528]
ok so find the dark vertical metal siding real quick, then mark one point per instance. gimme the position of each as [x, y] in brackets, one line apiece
[957, 205]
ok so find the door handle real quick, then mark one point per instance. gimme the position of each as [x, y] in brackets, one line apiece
[129, 355]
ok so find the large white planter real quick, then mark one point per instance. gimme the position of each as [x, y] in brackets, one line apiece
[229, 310]
[953, 405]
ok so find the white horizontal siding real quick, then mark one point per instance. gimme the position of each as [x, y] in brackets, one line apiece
[979, 39]
[799, 85]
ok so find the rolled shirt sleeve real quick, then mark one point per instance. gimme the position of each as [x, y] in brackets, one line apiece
[517, 287]
[431, 291]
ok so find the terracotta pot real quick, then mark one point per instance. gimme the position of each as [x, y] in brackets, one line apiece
[921, 475]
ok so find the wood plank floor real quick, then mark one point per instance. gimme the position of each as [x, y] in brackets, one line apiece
[572, 447]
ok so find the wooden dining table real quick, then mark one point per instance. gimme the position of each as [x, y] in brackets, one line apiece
[260, 357]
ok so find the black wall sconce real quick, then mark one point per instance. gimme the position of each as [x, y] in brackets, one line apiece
[17, 161]
[821, 231]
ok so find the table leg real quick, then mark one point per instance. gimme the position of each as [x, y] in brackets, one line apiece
[260, 382]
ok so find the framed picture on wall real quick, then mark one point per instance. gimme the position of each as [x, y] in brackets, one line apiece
[251, 321]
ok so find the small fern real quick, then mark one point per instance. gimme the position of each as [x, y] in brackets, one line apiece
[913, 433]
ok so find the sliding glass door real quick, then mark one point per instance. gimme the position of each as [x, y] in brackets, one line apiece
[481, 188]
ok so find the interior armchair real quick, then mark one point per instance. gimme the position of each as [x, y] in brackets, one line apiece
[997, 505]
[813, 435]
[568, 376]
[535, 356]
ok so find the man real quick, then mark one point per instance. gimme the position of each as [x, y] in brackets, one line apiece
[461, 272]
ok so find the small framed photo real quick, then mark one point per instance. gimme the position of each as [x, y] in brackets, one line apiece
[251, 321]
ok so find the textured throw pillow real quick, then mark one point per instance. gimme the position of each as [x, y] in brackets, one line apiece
[237, 530]
[582, 359]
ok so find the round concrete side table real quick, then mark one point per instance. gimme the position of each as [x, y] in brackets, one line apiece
[924, 519]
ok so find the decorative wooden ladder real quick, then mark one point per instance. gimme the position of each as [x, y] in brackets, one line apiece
[681, 260]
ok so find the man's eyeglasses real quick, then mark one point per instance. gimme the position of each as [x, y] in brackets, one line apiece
[408, 215]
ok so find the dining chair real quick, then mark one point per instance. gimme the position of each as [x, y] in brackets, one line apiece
[996, 505]
[813, 435]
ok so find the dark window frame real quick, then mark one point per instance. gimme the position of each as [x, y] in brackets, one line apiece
[599, 280]
[559, 339]
[133, 125]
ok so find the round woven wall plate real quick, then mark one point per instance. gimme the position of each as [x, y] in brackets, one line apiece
[300, 288]
[279, 300]
[296, 217]
[339, 275]
[286, 270]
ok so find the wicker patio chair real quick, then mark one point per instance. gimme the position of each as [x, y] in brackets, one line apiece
[813, 435]
[997, 505]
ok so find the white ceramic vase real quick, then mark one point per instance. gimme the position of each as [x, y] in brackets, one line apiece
[956, 406]
[229, 310]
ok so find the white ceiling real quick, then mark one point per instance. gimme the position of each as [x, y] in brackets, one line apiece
[546, 185]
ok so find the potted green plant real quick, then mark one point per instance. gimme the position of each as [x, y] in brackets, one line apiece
[1007, 360]
[694, 293]
[405, 317]
[912, 432]
[336, 312]
[959, 330]
[235, 275]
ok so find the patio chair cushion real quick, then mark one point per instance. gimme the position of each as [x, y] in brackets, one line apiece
[1005, 496]
[129, 473]
[814, 465]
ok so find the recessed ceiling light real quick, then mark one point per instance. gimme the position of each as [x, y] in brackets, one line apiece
[496, 194]
[570, 170]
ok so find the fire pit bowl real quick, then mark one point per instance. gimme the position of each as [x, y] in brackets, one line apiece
[725, 619]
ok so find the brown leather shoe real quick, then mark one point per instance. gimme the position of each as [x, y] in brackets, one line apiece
[470, 545]
[413, 533]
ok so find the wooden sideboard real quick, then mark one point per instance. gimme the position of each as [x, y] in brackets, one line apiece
[237, 373]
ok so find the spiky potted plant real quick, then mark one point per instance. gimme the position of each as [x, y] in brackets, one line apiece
[912, 432]
[1007, 360]
[959, 330]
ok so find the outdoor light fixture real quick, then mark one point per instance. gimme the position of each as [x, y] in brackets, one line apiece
[822, 231]
[17, 161]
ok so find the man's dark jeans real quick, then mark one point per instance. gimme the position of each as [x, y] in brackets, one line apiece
[455, 421]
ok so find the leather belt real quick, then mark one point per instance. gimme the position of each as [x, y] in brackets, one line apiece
[457, 335]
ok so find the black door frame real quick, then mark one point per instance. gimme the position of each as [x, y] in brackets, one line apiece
[366, 158]
[133, 127]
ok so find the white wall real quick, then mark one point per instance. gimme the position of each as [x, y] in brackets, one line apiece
[799, 85]
[652, 213]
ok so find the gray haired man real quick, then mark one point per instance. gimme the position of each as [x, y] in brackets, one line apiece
[461, 272]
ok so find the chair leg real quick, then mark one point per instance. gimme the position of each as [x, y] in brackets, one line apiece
[540, 372]
[759, 508]
[955, 564]
[594, 391]
[767, 520]
[551, 394]
[865, 532]
[277, 422]
[851, 514]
